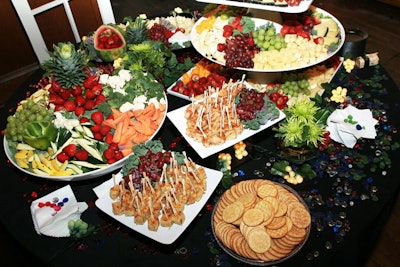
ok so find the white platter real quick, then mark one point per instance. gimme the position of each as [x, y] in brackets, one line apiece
[78, 177]
[163, 235]
[304, 5]
[172, 92]
[194, 36]
[177, 117]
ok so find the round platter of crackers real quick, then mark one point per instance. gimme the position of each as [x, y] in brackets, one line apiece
[260, 222]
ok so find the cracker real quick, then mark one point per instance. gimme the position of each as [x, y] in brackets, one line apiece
[266, 190]
[233, 212]
[276, 223]
[253, 217]
[300, 217]
[259, 240]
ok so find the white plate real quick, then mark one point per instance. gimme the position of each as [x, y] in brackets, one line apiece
[79, 177]
[177, 117]
[304, 5]
[259, 22]
[163, 235]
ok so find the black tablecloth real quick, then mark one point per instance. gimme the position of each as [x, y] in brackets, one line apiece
[345, 225]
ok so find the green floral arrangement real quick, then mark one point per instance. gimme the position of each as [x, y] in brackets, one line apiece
[304, 125]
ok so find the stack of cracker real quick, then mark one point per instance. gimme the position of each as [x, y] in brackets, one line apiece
[261, 220]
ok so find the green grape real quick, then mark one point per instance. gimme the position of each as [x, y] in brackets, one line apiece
[71, 225]
[83, 226]
[260, 37]
[270, 32]
[261, 31]
[278, 45]
[255, 34]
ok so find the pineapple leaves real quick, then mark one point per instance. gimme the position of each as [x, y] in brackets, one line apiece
[66, 64]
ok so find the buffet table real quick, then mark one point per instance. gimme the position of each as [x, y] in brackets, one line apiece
[348, 211]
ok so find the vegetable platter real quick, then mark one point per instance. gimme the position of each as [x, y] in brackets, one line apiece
[83, 120]
[253, 44]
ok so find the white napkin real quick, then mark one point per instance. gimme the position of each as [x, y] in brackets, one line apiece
[349, 124]
[52, 222]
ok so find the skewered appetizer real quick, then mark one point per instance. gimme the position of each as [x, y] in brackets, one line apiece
[157, 185]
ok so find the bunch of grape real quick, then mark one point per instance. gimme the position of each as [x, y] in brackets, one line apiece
[30, 111]
[296, 87]
[152, 165]
[80, 229]
[250, 102]
[267, 39]
[239, 51]
[158, 33]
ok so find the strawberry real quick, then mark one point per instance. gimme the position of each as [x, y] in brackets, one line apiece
[65, 94]
[79, 111]
[81, 155]
[97, 117]
[97, 136]
[76, 90]
[62, 157]
[319, 40]
[69, 105]
[109, 138]
[97, 89]
[105, 129]
[91, 81]
[89, 105]
[70, 150]
[56, 99]
[83, 120]
[100, 99]
[113, 146]
[80, 101]
[55, 86]
[90, 94]
[109, 154]
[228, 31]
[118, 155]
[95, 128]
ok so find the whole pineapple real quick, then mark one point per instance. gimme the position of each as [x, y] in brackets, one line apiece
[136, 31]
[66, 65]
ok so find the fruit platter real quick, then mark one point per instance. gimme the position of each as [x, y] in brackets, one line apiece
[289, 6]
[183, 185]
[252, 44]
